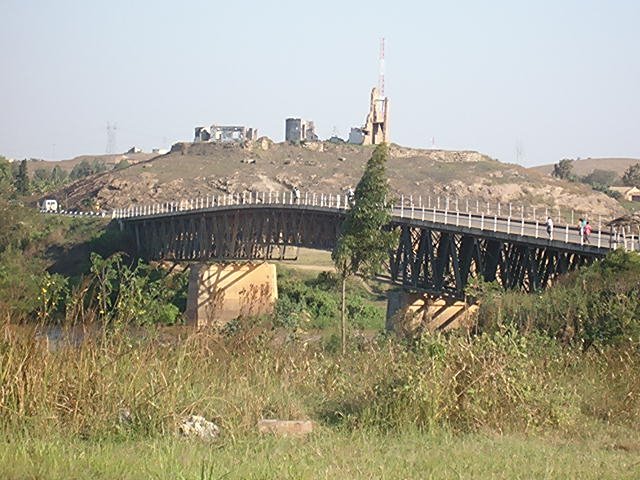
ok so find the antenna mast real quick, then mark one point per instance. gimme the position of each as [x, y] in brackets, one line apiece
[381, 73]
[111, 137]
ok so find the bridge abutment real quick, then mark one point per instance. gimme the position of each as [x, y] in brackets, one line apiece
[409, 314]
[221, 292]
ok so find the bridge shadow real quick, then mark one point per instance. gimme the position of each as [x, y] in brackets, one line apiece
[209, 284]
[74, 260]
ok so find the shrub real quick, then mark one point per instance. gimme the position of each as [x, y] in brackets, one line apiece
[595, 306]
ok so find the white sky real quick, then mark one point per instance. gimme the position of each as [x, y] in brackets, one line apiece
[533, 81]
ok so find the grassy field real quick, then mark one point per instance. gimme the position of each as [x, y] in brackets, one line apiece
[495, 406]
[327, 454]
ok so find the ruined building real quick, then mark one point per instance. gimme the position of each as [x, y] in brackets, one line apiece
[297, 130]
[376, 127]
[356, 136]
[225, 134]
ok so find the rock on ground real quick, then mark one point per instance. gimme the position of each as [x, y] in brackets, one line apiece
[285, 427]
[195, 426]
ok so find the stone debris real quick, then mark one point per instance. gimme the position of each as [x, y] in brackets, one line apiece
[195, 426]
[125, 417]
[285, 427]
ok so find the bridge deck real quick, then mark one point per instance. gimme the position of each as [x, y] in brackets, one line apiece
[506, 229]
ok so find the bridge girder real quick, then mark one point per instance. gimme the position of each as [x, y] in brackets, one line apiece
[443, 262]
[438, 259]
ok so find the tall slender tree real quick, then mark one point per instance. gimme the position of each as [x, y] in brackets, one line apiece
[364, 243]
[22, 178]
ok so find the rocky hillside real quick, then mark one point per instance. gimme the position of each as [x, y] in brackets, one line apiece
[197, 170]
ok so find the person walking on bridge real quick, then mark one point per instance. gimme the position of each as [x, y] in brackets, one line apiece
[581, 224]
[549, 224]
[587, 232]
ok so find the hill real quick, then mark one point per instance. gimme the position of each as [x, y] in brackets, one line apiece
[585, 166]
[192, 170]
[110, 160]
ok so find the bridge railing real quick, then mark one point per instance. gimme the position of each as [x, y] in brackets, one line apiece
[502, 209]
[504, 217]
[336, 201]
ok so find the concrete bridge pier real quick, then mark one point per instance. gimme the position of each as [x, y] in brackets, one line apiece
[221, 292]
[409, 314]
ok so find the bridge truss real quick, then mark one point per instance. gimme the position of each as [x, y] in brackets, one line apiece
[443, 262]
[438, 257]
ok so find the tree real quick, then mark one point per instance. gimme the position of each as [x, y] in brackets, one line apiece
[563, 169]
[42, 175]
[22, 178]
[364, 243]
[80, 170]
[600, 178]
[6, 177]
[631, 175]
[98, 166]
[58, 175]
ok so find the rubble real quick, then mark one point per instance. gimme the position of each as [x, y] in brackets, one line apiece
[285, 428]
[195, 426]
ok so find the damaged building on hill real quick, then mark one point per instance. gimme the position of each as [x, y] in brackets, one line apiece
[297, 130]
[225, 134]
[376, 125]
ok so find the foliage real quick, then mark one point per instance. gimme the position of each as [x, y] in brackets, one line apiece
[58, 175]
[127, 295]
[86, 168]
[600, 179]
[6, 178]
[45, 180]
[20, 279]
[563, 169]
[315, 304]
[500, 382]
[364, 244]
[631, 176]
[52, 295]
[594, 307]
[124, 163]
[31, 243]
[22, 178]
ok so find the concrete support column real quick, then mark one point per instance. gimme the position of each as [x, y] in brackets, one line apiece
[409, 314]
[221, 292]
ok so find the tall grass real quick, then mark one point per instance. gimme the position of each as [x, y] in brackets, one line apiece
[119, 383]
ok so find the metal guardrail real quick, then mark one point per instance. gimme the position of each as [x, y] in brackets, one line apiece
[77, 213]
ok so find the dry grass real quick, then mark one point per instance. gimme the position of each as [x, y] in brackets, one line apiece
[496, 406]
[501, 383]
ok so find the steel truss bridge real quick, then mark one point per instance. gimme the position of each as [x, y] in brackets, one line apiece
[438, 251]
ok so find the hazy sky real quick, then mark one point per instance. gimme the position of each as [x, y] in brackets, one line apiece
[533, 81]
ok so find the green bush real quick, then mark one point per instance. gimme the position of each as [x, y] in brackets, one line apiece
[595, 306]
[315, 303]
